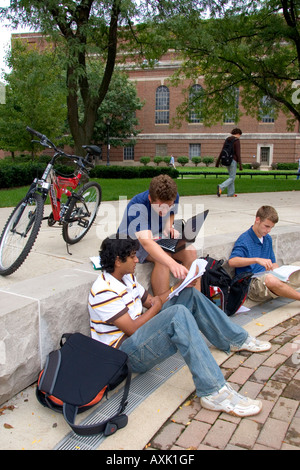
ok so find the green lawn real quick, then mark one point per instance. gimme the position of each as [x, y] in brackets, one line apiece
[112, 189]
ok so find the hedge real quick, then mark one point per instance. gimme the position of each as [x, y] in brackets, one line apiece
[123, 172]
[15, 175]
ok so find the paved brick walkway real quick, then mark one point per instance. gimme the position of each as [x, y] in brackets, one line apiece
[273, 377]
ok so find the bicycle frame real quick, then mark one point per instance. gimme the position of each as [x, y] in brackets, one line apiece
[59, 185]
[55, 185]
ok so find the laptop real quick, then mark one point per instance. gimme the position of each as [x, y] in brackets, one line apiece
[188, 231]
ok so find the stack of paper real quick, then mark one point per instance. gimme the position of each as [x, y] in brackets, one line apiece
[196, 270]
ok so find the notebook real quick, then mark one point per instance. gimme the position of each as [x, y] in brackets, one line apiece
[189, 230]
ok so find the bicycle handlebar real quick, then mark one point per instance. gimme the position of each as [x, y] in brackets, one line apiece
[81, 162]
[38, 134]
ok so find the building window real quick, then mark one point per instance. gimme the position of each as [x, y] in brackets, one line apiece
[162, 105]
[161, 150]
[196, 100]
[232, 99]
[194, 150]
[267, 111]
[128, 153]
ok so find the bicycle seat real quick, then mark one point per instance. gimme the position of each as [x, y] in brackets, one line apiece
[93, 149]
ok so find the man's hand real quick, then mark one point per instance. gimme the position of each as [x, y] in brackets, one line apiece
[178, 270]
[266, 263]
[172, 233]
[156, 303]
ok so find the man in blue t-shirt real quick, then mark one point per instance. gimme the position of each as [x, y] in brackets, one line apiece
[253, 251]
[150, 215]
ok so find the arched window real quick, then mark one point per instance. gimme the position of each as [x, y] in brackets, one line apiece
[162, 105]
[196, 99]
[232, 98]
[267, 110]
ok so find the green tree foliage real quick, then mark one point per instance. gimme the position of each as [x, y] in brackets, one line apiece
[251, 46]
[35, 97]
[88, 28]
[119, 107]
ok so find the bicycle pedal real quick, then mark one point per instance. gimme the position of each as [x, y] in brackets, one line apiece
[83, 223]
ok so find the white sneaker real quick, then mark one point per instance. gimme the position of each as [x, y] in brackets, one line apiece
[253, 345]
[229, 401]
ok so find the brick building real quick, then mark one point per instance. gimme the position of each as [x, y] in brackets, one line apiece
[266, 141]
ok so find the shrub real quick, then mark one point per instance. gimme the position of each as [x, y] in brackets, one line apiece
[145, 160]
[123, 172]
[255, 166]
[196, 160]
[208, 160]
[183, 160]
[157, 160]
[287, 166]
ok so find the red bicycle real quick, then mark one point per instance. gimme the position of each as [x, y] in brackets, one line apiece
[76, 214]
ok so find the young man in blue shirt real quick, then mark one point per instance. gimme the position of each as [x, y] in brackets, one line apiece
[253, 251]
[150, 215]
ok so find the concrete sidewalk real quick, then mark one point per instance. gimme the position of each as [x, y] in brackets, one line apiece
[170, 417]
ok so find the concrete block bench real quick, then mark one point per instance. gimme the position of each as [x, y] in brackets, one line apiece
[36, 312]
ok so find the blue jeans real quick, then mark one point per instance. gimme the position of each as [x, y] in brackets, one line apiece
[229, 183]
[178, 326]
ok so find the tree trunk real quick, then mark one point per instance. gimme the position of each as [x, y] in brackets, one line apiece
[82, 131]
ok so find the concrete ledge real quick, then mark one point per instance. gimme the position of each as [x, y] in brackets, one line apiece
[34, 315]
[36, 312]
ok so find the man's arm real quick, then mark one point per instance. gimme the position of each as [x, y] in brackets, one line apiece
[154, 304]
[129, 326]
[239, 262]
[158, 254]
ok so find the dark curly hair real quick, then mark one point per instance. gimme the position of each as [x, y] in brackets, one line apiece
[116, 246]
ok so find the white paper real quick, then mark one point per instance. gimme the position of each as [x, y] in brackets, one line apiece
[285, 271]
[196, 270]
[243, 309]
[96, 262]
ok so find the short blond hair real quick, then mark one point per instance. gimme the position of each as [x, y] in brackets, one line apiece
[268, 212]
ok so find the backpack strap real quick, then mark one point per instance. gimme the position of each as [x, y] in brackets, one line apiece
[108, 426]
[51, 369]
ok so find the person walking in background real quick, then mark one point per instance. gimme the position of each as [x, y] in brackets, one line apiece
[232, 168]
[172, 162]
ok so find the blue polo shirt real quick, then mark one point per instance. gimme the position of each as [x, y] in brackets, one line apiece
[248, 245]
[139, 216]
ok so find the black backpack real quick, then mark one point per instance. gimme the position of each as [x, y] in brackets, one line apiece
[227, 152]
[218, 286]
[78, 375]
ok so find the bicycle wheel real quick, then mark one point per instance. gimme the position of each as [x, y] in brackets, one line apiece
[20, 232]
[81, 213]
